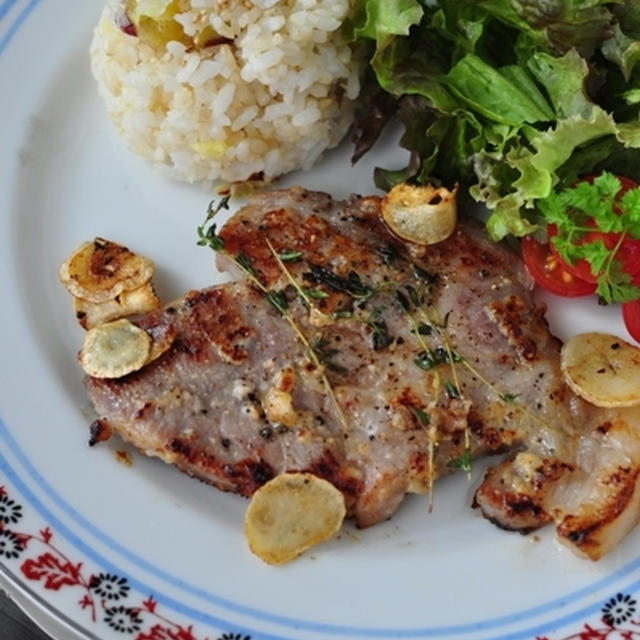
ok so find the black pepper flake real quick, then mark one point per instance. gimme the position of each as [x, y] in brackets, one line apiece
[225, 442]
[266, 433]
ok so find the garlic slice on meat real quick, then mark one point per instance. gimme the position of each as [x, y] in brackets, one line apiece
[291, 513]
[603, 369]
[128, 303]
[114, 349]
[99, 271]
[421, 214]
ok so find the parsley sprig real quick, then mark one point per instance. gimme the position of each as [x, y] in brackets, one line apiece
[576, 210]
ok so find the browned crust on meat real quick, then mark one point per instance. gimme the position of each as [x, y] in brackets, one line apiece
[346, 479]
[99, 431]
[514, 504]
[495, 440]
[513, 316]
[517, 512]
[594, 534]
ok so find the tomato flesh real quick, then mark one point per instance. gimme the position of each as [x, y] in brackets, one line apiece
[551, 272]
[631, 313]
[628, 253]
[631, 317]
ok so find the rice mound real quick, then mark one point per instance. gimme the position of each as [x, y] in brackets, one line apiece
[269, 99]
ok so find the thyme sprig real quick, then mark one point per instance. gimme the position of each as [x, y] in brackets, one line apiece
[409, 302]
[424, 420]
[325, 353]
[380, 332]
[463, 462]
[352, 284]
[208, 237]
[305, 293]
[508, 398]
[290, 255]
[454, 357]
[446, 355]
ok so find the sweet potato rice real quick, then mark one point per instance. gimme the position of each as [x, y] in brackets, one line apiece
[218, 90]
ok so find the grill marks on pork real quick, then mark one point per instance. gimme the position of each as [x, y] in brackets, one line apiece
[237, 399]
[198, 406]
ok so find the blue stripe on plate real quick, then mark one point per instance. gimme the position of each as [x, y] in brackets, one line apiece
[493, 623]
[5, 7]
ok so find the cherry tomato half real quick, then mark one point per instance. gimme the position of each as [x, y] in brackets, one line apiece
[628, 252]
[631, 317]
[551, 272]
[631, 313]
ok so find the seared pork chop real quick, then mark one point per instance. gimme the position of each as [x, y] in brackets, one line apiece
[379, 366]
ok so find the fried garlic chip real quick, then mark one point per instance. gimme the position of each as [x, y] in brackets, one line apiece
[291, 513]
[421, 214]
[128, 303]
[101, 270]
[114, 349]
[603, 369]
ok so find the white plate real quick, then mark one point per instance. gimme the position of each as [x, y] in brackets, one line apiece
[108, 550]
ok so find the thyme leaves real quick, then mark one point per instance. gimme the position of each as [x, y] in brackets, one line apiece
[290, 255]
[277, 300]
[463, 462]
[317, 294]
[208, 237]
[207, 233]
[422, 415]
[352, 284]
[379, 330]
[452, 390]
[326, 353]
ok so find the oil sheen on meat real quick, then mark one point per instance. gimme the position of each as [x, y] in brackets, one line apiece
[429, 356]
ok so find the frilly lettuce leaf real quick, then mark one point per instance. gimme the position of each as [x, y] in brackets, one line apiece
[510, 98]
[380, 20]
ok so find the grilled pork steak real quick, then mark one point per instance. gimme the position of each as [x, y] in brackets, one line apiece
[379, 366]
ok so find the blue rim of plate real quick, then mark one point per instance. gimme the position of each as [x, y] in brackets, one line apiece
[24, 10]
[18, 12]
[600, 585]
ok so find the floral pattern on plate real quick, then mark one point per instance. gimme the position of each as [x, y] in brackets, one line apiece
[108, 599]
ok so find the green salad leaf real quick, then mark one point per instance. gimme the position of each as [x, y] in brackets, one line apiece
[512, 99]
